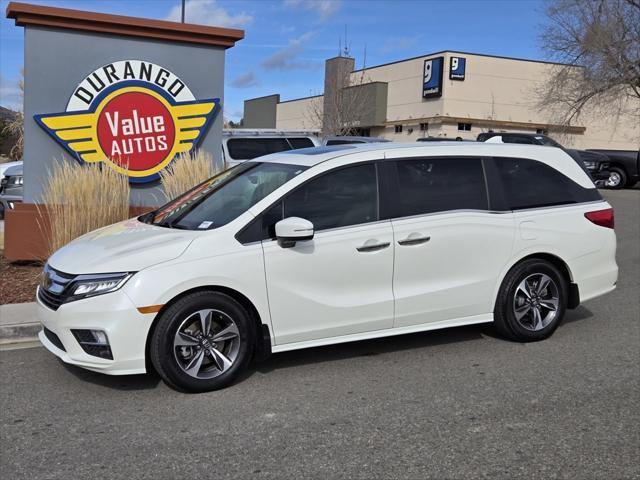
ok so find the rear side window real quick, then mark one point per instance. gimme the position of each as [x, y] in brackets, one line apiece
[530, 184]
[300, 142]
[249, 148]
[429, 185]
[340, 198]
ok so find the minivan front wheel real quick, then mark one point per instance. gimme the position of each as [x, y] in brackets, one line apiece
[202, 342]
[531, 301]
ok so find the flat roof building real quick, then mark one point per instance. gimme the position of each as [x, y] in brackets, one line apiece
[445, 94]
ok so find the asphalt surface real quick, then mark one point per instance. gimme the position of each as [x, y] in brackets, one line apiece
[457, 403]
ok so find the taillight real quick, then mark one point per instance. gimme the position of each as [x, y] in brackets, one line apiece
[604, 218]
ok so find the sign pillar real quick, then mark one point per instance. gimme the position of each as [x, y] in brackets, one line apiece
[128, 93]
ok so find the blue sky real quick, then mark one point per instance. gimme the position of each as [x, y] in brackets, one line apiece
[287, 41]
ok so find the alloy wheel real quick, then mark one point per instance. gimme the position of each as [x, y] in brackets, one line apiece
[206, 344]
[536, 302]
[613, 180]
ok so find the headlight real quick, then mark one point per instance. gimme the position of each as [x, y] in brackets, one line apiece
[590, 165]
[16, 180]
[91, 285]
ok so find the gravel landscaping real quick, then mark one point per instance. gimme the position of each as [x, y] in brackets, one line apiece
[18, 281]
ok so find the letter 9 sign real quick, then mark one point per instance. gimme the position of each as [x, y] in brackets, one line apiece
[457, 68]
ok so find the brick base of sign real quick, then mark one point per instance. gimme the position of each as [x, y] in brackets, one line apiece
[23, 231]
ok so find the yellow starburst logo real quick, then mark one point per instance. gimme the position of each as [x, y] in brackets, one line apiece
[135, 127]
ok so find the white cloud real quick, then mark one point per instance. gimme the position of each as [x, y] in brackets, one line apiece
[208, 12]
[249, 79]
[324, 8]
[285, 59]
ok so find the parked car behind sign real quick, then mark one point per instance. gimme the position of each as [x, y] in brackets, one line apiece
[240, 145]
[11, 186]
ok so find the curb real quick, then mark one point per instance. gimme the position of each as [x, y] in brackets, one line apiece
[18, 323]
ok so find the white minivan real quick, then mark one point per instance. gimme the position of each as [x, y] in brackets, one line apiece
[327, 245]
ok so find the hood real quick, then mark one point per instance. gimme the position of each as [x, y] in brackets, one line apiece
[13, 171]
[5, 166]
[128, 246]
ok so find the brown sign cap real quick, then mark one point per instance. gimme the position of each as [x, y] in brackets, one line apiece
[37, 15]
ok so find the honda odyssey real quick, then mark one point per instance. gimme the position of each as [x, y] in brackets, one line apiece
[327, 245]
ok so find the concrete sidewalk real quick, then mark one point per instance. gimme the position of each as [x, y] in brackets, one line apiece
[18, 323]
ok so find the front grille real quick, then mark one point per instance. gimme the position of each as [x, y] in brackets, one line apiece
[52, 290]
[53, 338]
[50, 300]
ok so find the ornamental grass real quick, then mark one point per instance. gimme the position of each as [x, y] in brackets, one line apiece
[80, 198]
[187, 171]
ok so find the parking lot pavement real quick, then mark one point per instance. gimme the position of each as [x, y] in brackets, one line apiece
[457, 403]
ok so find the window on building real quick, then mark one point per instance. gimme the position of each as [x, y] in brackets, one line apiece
[530, 184]
[465, 127]
[424, 127]
[348, 196]
[398, 128]
[431, 185]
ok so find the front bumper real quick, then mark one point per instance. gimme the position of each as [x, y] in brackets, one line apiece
[113, 313]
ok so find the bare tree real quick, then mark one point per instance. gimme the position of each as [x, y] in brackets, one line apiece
[598, 41]
[344, 105]
[14, 128]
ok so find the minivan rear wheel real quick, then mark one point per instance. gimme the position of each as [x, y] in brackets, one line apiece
[202, 342]
[531, 302]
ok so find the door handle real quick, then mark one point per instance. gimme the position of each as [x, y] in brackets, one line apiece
[413, 241]
[373, 248]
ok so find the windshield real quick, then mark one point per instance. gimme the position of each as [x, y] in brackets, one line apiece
[224, 197]
[548, 141]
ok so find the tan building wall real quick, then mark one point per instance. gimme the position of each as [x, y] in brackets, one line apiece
[498, 94]
[305, 113]
[500, 89]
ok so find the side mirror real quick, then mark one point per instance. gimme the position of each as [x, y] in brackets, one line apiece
[292, 230]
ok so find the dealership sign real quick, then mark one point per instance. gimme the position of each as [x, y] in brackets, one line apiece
[457, 68]
[135, 116]
[432, 79]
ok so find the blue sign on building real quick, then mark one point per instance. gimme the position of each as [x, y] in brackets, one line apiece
[457, 68]
[432, 81]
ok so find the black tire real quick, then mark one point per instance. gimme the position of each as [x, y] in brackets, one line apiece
[170, 361]
[617, 178]
[510, 295]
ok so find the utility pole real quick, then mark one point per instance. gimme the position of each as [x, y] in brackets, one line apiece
[183, 11]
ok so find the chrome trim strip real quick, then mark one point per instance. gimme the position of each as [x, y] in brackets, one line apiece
[564, 205]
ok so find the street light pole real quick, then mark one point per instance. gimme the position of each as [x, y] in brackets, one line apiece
[183, 11]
